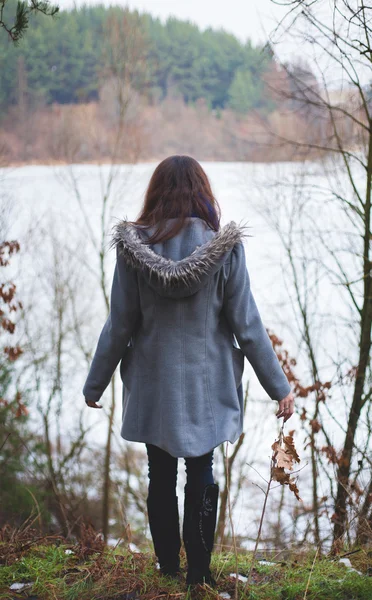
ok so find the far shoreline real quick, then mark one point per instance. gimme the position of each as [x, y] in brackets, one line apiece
[56, 163]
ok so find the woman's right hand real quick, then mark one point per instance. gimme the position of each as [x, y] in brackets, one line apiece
[286, 407]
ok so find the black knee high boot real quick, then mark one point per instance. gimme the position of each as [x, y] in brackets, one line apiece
[199, 524]
[165, 532]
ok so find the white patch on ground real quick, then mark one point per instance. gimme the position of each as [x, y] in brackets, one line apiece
[21, 586]
[240, 577]
[348, 565]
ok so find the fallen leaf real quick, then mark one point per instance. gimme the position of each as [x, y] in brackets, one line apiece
[284, 456]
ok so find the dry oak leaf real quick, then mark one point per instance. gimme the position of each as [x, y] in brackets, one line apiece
[284, 456]
[278, 474]
[285, 452]
[281, 458]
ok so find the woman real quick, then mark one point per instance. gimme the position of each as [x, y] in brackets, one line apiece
[180, 296]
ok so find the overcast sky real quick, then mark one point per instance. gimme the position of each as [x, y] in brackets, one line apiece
[247, 19]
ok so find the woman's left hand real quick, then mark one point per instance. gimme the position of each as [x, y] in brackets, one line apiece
[286, 407]
[92, 404]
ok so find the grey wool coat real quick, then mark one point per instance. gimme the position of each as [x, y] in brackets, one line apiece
[177, 309]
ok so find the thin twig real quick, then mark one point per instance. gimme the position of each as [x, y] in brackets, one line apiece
[311, 572]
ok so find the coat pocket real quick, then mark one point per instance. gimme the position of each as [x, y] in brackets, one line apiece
[238, 364]
[126, 367]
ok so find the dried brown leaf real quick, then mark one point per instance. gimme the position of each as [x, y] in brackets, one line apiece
[293, 487]
[278, 474]
[282, 459]
[285, 452]
[284, 456]
[290, 447]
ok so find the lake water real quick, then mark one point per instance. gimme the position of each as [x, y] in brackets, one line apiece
[55, 213]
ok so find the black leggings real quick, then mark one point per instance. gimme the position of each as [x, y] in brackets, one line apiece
[163, 467]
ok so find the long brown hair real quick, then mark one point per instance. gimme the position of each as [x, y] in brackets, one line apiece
[179, 188]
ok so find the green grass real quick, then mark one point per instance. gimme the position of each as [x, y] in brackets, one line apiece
[114, 573]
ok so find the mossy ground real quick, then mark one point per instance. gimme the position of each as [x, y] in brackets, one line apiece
[122, 575]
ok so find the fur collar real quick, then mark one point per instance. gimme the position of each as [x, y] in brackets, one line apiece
[169, 273]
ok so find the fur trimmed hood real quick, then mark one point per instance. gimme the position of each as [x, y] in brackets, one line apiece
[186, 275]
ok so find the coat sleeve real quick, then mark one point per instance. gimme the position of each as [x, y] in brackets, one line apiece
[117, 331]
[242, 314]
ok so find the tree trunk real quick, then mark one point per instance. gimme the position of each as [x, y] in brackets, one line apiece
[344, 467]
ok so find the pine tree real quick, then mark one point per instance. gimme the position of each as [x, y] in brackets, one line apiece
[19, 15]
[244, 92]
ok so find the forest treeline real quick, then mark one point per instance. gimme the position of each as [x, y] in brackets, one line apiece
[111, 84]
[64, 59]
